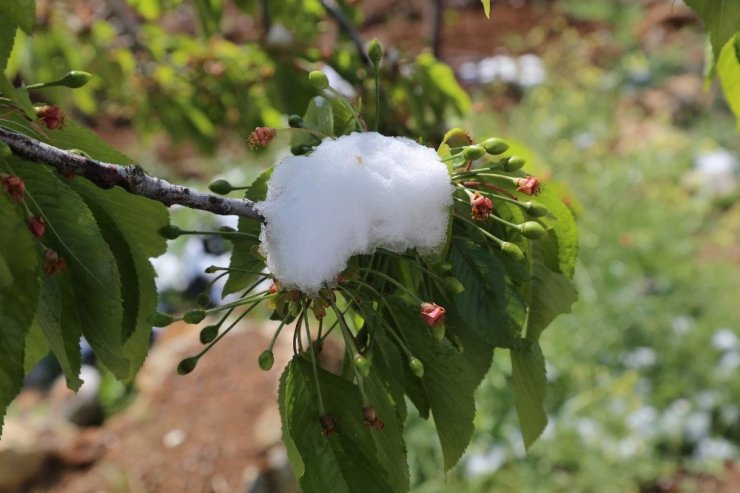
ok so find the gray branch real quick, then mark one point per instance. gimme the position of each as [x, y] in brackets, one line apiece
[131, 178]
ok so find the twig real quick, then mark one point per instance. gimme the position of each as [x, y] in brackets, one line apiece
[334, 10]
[131, 178]
[437, 9]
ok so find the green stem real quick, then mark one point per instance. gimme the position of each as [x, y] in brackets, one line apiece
[499, 241]
[394, 282]
[322, 409]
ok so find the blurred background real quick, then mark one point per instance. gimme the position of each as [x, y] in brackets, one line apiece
[609, 97]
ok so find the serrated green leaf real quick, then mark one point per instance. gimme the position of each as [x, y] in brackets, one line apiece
[58, 319]
[19, 289]
[721, 19]
[73, 232]
[552, 294]
[563, 230]
[130, 225]
[450, 379]
[242, 256]
[487, 7]
[728, 70]
[490, 305]
[74, 136]
[18, 95]
[35, 347]
[20, 12]
[353, 458]
[529, 380]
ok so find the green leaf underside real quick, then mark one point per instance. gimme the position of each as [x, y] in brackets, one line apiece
[530, 381]
[562, 230]
[36, 347]
[353, 458]
[721, 19]
[242, 256]
[72, 231]
[552, 294]
[728, 70]
[490, 305]
[19, 288]
[7, 37]
[449, 381]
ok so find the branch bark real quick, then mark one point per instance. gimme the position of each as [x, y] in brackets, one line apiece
[333, 9]
[131, 178]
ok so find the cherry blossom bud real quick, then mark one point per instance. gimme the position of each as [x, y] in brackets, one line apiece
[15, 187]
[37, 226]
[529, 185]
[53, 263]
[51, 116]
[481, 206]
[432, 314]
[260, 137]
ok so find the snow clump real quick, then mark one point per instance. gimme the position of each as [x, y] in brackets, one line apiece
[350, 196]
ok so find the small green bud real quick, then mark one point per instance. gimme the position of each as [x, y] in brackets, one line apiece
[318, 80]
[514, 163]
[536, 209]
[438, 331]
[362, 365]
[170, 232]
[453, 286]
[208, 334]
[227, 229]
[211, 269]
[5, 150]
[300, 149]
[159, 319]
[194, 316]
[75, 79]
[512, 251]
[416, 366]
[221, 187]
[495, 146]
[203, 299]
[471, 153]
[187, 365]
[532, 230]
[266, 360]
[375, 52]
[79, 152]
[445, 266]
[295, 121]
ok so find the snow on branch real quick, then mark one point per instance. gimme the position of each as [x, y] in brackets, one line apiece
[131, 178]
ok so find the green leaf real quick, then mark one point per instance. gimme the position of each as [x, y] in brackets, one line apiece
[563, 232]
[530, 381]
[58, 319]
[450, 379]
[7, 37]
[18, 95]
[352, 459]
[487, 7]
[20, 12]
[552, 294]
[130, 226]
[319, 117]
[73, 136]
[728, 70]
[242, 255]
[721, 19]
[36, 347]
[440, 85]
[19, 289]
[490, 305]
[73, 233]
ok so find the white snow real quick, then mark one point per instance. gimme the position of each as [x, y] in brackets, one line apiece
[350, 196]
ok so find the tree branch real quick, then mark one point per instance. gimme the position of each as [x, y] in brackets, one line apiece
[131, 178]
[334, 10]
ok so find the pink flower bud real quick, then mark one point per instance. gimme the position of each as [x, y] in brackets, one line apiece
[481, 206]
[260, 137]
[15, 187]
[37, 226]
[432, 314]
[529, 185]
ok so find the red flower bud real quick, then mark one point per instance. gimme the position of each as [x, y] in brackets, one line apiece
[15, 187]
[529, 185]
[432, 314]
[37, 226]
[481, 206]
[371, 419]
[261, 137]
[52, 116]
[53, 263]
